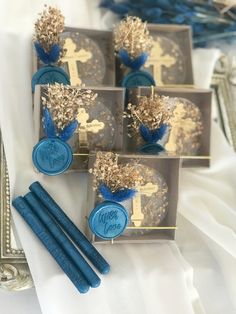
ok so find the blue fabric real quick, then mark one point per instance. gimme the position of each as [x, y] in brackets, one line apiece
[48, 124]
[134, 64]
[51, 244]
[68, 131]
[152, 136]
[118, 196]
[48, 58]
[69, 227]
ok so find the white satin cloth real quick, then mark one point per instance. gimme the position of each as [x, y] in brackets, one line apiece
[194, 275]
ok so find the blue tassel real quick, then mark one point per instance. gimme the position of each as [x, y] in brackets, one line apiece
[181, 12]
[153, 13]
[134, 64]
[118, 8]
[145, 133]
[152, 136]
[118, 196]
[48, 124]
[48, 58]
[68, 131]
[159, 133]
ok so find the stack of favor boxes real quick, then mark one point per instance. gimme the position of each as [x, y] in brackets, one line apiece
[91, 63]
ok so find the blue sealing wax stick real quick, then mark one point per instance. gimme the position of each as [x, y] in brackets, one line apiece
[68, 247]
[50, 243]
[75, 234]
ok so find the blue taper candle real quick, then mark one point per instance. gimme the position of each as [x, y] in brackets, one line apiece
[68, 247]
[50, 243]
[74, 233]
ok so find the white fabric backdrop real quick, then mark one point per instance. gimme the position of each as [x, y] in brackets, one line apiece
[144, 278]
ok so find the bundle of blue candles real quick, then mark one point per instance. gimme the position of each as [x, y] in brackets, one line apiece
[56, 231]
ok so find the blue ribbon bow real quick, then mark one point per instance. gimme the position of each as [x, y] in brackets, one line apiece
[118, 196]
[134, 64]
[152, 136]
[50, 129]
[48, 58]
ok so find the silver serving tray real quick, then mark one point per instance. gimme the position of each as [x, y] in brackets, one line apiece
[14, 270]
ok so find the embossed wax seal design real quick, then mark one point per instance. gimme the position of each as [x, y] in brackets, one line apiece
[137, 78]
[83, 59]
[108, 220]
[49, 75]
[184, 136]
[149, 206]
[166, 61]
[52, 156]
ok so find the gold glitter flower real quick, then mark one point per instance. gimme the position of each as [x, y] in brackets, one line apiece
[63, 101]
[132, 35]
[115, 176]
[151, 111]
[48, 28]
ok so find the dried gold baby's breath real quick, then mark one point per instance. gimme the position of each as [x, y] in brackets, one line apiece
[132, 35]
[63, 101]
[116, 176]
[151, 111]
[48, 27]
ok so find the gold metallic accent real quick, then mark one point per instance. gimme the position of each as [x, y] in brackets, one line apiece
[177, 122]
[154, 228]
[148, 189]
[71, 57]
[195, 157]
[186, 128]
[191, 86]
[157, 59]
[84, 126]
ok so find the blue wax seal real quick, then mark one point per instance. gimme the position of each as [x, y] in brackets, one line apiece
[108, 220]
[151, 148]
[138, 78]
[52, 156]
[49, 75]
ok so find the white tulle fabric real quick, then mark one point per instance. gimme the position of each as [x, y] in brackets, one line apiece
[194, 275]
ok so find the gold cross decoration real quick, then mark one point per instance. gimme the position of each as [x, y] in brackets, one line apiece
[84, 127]
[157, 60]
[179, 122]
[147, 189]
[71, 57]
